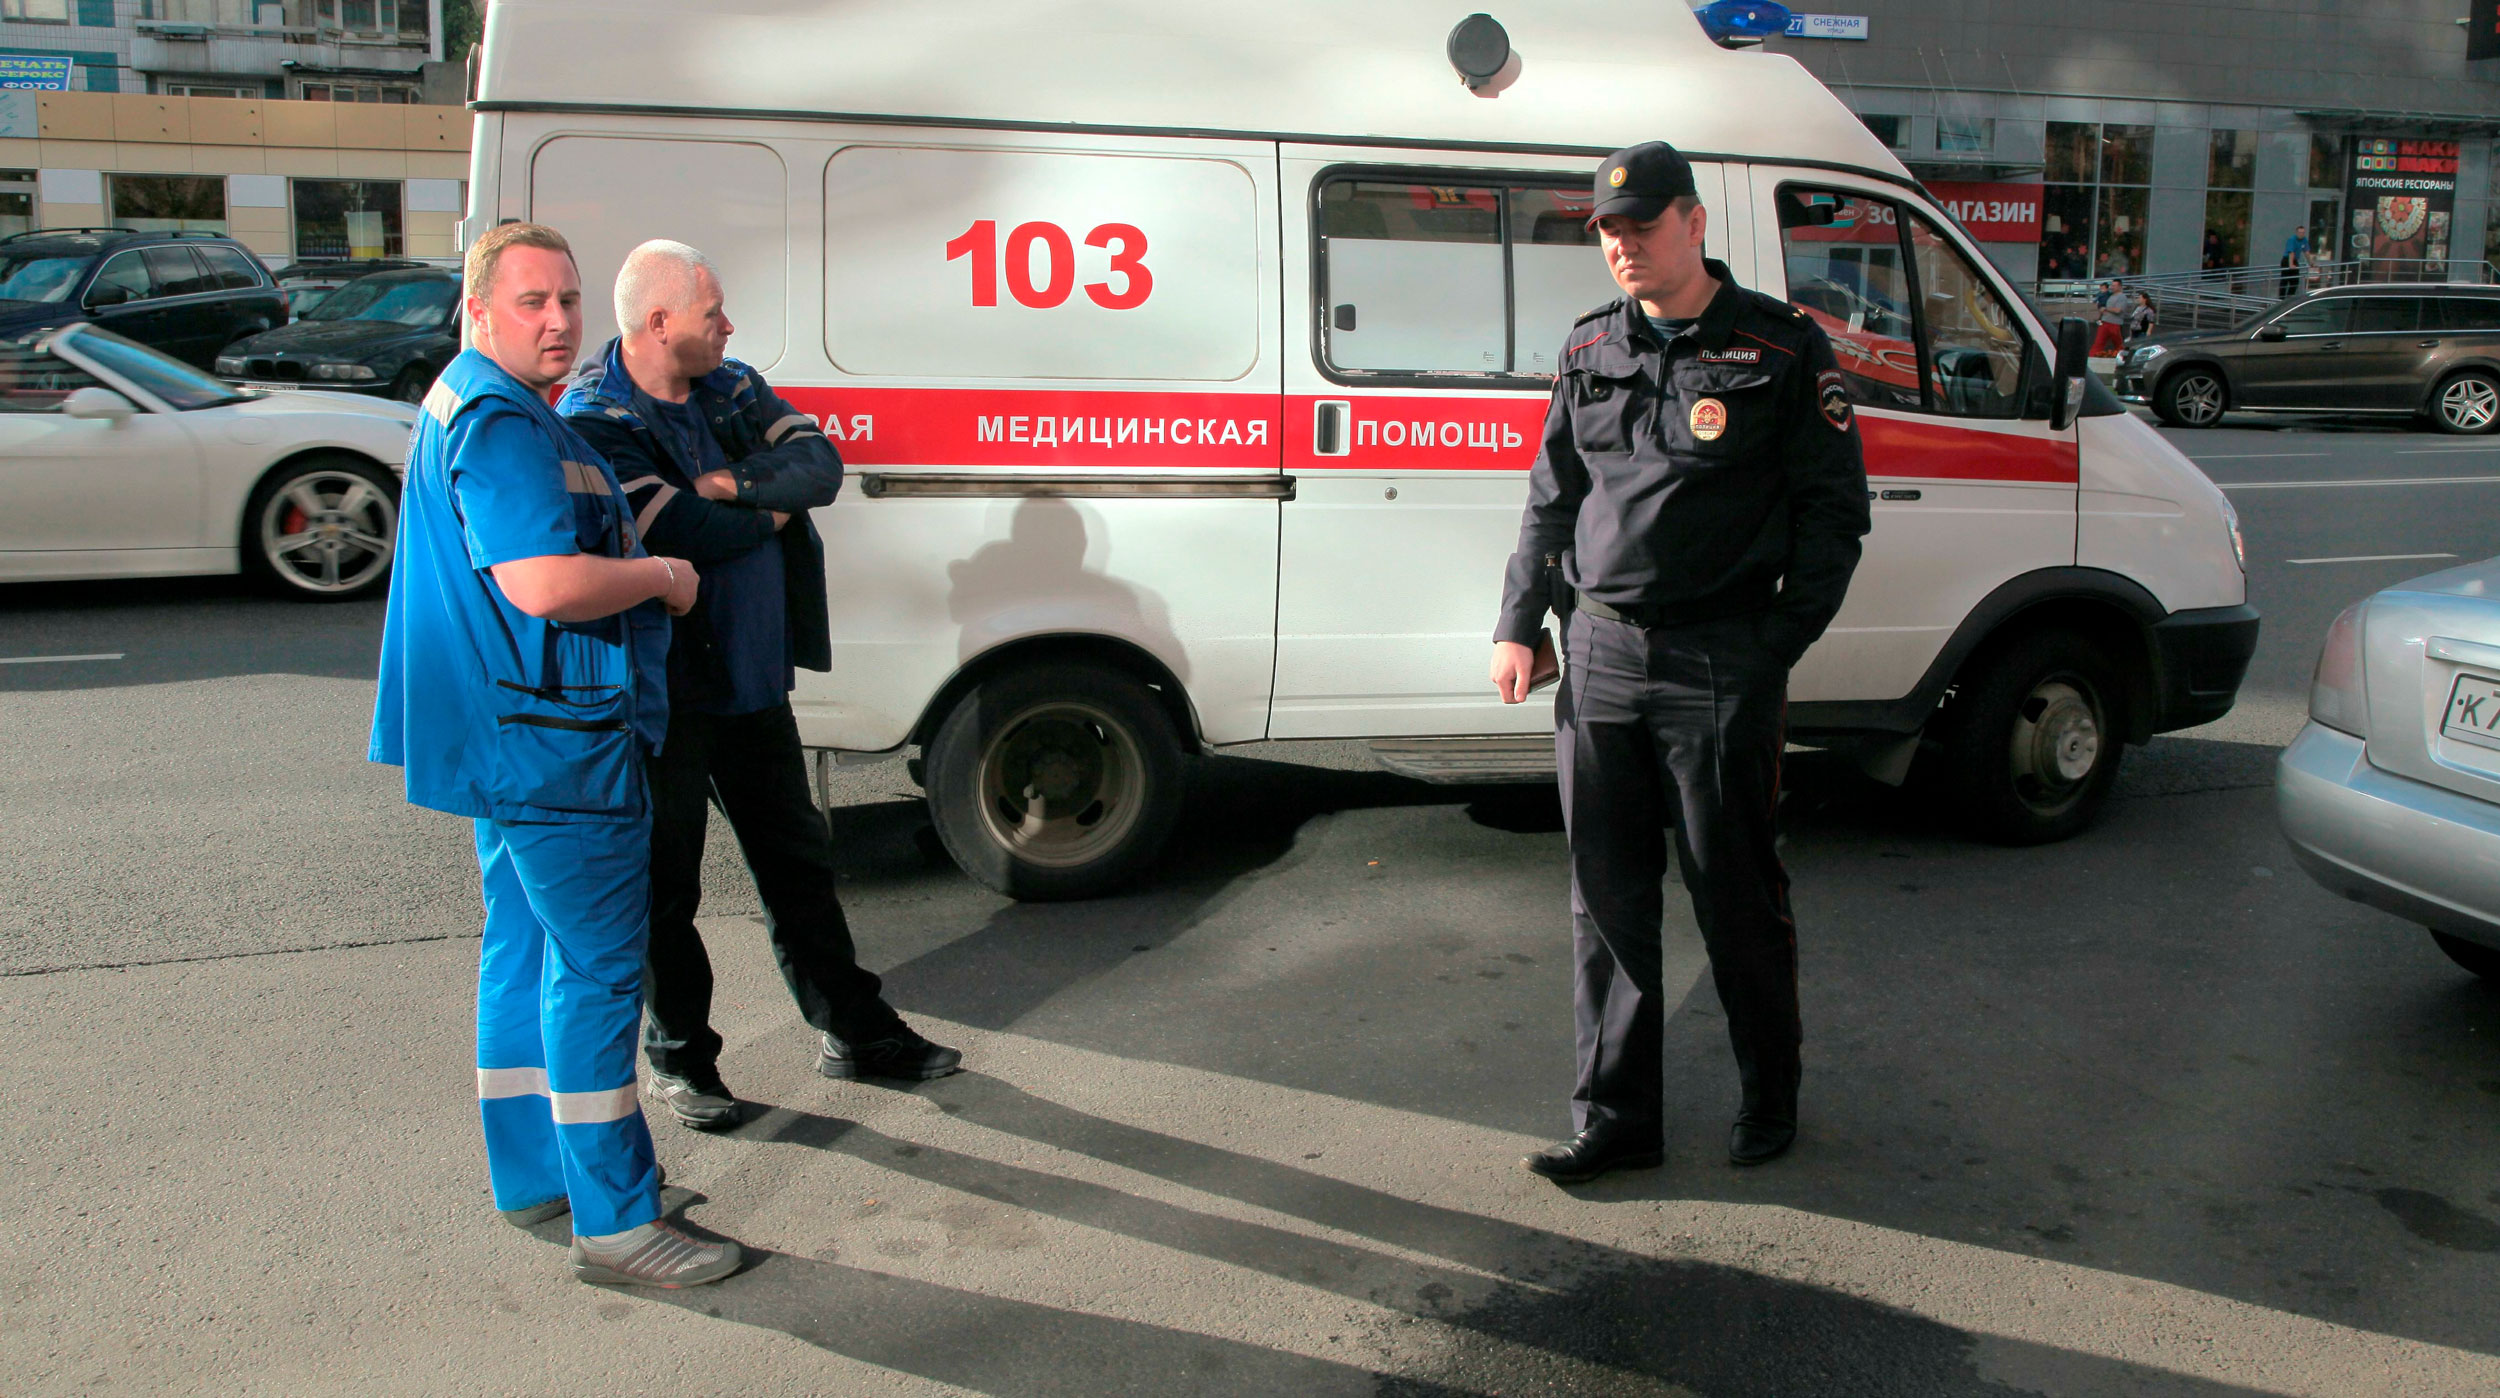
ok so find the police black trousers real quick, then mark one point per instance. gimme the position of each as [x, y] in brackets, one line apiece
[1675, 728]
[752, 767]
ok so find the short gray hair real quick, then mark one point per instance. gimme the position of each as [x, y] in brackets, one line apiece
[660, 274]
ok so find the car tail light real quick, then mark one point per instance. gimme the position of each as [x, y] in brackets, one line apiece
[2335, 697]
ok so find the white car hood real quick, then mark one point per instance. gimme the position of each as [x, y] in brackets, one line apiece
[278, 405]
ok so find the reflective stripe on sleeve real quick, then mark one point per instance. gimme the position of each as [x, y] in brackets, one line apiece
[582, 479]
[786, 426]
[441, 402]
[591, 1108]
[510, 1082]
[651, 508]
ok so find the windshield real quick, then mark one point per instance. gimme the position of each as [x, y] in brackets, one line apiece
[36, 277]
[181, 386]
[420, 303]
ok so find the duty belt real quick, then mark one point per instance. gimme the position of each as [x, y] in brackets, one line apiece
[1644, 617]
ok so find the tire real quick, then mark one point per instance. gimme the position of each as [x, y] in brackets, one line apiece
[412, 383]
[322, 528]
[2029, 746]
[2474, 956]
[2196, 396]
[2467, 404]
[1090, 740]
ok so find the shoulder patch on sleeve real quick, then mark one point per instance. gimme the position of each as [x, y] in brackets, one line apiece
[1831, 391]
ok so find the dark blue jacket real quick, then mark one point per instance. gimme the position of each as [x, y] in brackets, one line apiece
[782, 462]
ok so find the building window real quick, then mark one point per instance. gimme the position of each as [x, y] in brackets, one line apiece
[1893, 131]
[36, 11]
[17, 201]
[346, 218]
[172, 89]
[2096, 201]
[2326, 161]
[167, 203]
[356, 92]
[2230, 172]
[1966, 135]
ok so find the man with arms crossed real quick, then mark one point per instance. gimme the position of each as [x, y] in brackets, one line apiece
[1700, 492]
[521, 683]
[719, 470]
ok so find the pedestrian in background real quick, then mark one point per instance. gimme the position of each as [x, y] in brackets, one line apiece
[2144, 319]
[2113, 308]
[2295, 259]
[1696, 534]
[522, 683]
[718, 469]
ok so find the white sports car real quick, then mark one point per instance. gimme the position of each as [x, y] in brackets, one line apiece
[117, 461]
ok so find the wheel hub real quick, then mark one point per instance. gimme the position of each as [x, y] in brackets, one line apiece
[2057, 737]
[1062, 784]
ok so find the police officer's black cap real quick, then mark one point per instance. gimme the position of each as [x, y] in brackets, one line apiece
[1640, 181]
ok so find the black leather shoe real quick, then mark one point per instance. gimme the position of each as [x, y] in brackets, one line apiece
[1592, 1153]
[1757, 1142]
[901, 1054]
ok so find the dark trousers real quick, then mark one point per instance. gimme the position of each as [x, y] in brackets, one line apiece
[751, 766]
[1682, 728]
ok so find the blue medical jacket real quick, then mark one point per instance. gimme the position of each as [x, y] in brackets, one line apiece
[493, 712]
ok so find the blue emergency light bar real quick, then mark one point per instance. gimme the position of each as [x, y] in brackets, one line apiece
[1738, 23]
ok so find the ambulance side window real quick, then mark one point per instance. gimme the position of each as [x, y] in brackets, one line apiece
[1414, 277]
[1973, 341]
[1847, 270]
[1557, 273]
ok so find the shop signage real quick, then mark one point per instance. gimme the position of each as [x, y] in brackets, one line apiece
[2401, 197]
[1833, 26]
[2482, 29]
[40, 72]
[1994, 213]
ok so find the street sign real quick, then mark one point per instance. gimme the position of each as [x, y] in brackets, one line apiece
[43, 72]
[1839, 26]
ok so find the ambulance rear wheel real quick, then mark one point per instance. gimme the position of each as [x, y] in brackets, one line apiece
[1057, 781]
[2031, 741]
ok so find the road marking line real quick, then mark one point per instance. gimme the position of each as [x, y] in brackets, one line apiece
[2425, 451]
[2329, 485]
[53, 659]
[2372, 558]
[2258, 456]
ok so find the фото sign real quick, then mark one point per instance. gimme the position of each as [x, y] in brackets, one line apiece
[1829, 26]
[47, 72]
[2400, 197]
[1994, 213]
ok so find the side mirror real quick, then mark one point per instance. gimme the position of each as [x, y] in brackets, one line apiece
[2271, 334]
[98, 404]
[104, 296]
[2074, 352]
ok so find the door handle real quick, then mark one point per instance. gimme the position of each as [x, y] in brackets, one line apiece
[2332, 345]
[1328, 427]
[2426, 344]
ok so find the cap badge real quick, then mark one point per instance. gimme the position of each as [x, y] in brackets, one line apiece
[1615, 177]
[1709, 420]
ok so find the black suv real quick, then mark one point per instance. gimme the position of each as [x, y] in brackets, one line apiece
[188, 294]
[2423, 350]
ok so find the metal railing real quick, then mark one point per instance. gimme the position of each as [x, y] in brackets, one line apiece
[2212, 299]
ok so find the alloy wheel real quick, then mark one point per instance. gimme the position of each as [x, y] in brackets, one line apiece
[328, 531]
[2470, 404]
[2199, 400]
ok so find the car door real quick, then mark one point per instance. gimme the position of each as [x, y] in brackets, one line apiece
[73, 489]
[2294, 369]
[123, 299]
[194, 311]
[246, 303]
[1970, 485]
[1428, 304]
[2384, 353]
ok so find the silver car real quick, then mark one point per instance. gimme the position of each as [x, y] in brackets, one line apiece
[2391, 794]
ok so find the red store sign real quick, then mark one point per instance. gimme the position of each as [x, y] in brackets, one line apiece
[1994, 213]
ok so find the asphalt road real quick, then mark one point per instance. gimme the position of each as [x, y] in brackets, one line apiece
[2145, 1113]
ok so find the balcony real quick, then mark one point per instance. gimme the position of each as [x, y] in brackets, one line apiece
[251, 37]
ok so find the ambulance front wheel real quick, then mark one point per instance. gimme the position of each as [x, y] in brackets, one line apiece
[1055, 781]
[2031, 742]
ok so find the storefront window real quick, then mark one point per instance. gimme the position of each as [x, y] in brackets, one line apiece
[2226, 229]
[1966, 135]
[17, 201]
[2233, 162]
[2326, 162]
[167, 203]
[2095, 203]
[347, 218]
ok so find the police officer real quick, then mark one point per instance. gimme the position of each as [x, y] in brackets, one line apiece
[1693, 517]
[522, 680]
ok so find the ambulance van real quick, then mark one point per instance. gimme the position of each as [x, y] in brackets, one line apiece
[1189, 361]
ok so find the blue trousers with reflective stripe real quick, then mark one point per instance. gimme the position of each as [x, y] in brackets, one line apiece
[559, 1007]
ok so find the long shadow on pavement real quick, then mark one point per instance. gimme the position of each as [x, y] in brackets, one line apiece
[1708, 1327]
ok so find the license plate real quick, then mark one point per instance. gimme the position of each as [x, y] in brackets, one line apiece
[266, 386]
[2473, 712]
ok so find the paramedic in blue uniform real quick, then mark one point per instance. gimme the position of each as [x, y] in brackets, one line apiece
[1693, 518]
[716, 468]
[521, 684]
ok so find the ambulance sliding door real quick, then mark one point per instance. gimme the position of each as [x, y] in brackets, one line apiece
[1971, 485]
[1426, 306]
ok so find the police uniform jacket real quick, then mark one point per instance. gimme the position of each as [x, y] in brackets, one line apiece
[1713, 477]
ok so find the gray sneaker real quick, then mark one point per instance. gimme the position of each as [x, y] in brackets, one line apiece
[656, 1254]
[537, 1214]
[702, 1102]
